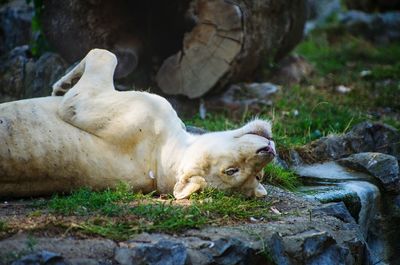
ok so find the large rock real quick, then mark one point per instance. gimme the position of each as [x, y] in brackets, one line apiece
[15, 25]
[364, 137]
[384, 167]
[330, 182]
[12, 72]
[378, 27]
[41, 74]
[21, 76]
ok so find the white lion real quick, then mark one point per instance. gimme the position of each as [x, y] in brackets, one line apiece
[95, 136]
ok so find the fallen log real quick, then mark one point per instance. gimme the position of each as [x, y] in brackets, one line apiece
[181, 47]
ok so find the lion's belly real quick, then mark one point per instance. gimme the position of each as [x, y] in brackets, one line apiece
[41, 154]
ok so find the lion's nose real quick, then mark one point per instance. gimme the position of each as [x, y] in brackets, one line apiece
[269, 149]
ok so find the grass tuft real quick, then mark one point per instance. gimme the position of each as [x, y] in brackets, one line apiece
[218, 204]
[278, 176]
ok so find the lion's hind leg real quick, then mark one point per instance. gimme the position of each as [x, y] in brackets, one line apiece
[90, 103]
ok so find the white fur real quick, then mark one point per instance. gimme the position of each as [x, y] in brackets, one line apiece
[96, 136]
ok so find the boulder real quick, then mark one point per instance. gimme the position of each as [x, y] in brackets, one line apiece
[383, 167]
[364, 137]
[21, 76]
[12, 72]
[41, 74]
[15, 25]
[329, 182]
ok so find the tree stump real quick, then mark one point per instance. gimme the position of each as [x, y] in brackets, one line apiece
[182, 47]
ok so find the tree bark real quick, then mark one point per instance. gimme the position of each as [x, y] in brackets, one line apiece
[181, 47]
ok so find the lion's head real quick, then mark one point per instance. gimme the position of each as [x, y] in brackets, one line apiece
[228, 160]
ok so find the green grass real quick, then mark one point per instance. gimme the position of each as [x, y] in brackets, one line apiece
[85, 201]
[333, 53]
[120, 214]
[281, 177]
[216, 204]
[339, 60]
[318, 115]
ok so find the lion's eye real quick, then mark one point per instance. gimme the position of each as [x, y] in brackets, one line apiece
[231, 171]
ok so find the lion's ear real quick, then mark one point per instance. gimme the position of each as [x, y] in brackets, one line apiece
[185, 187]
